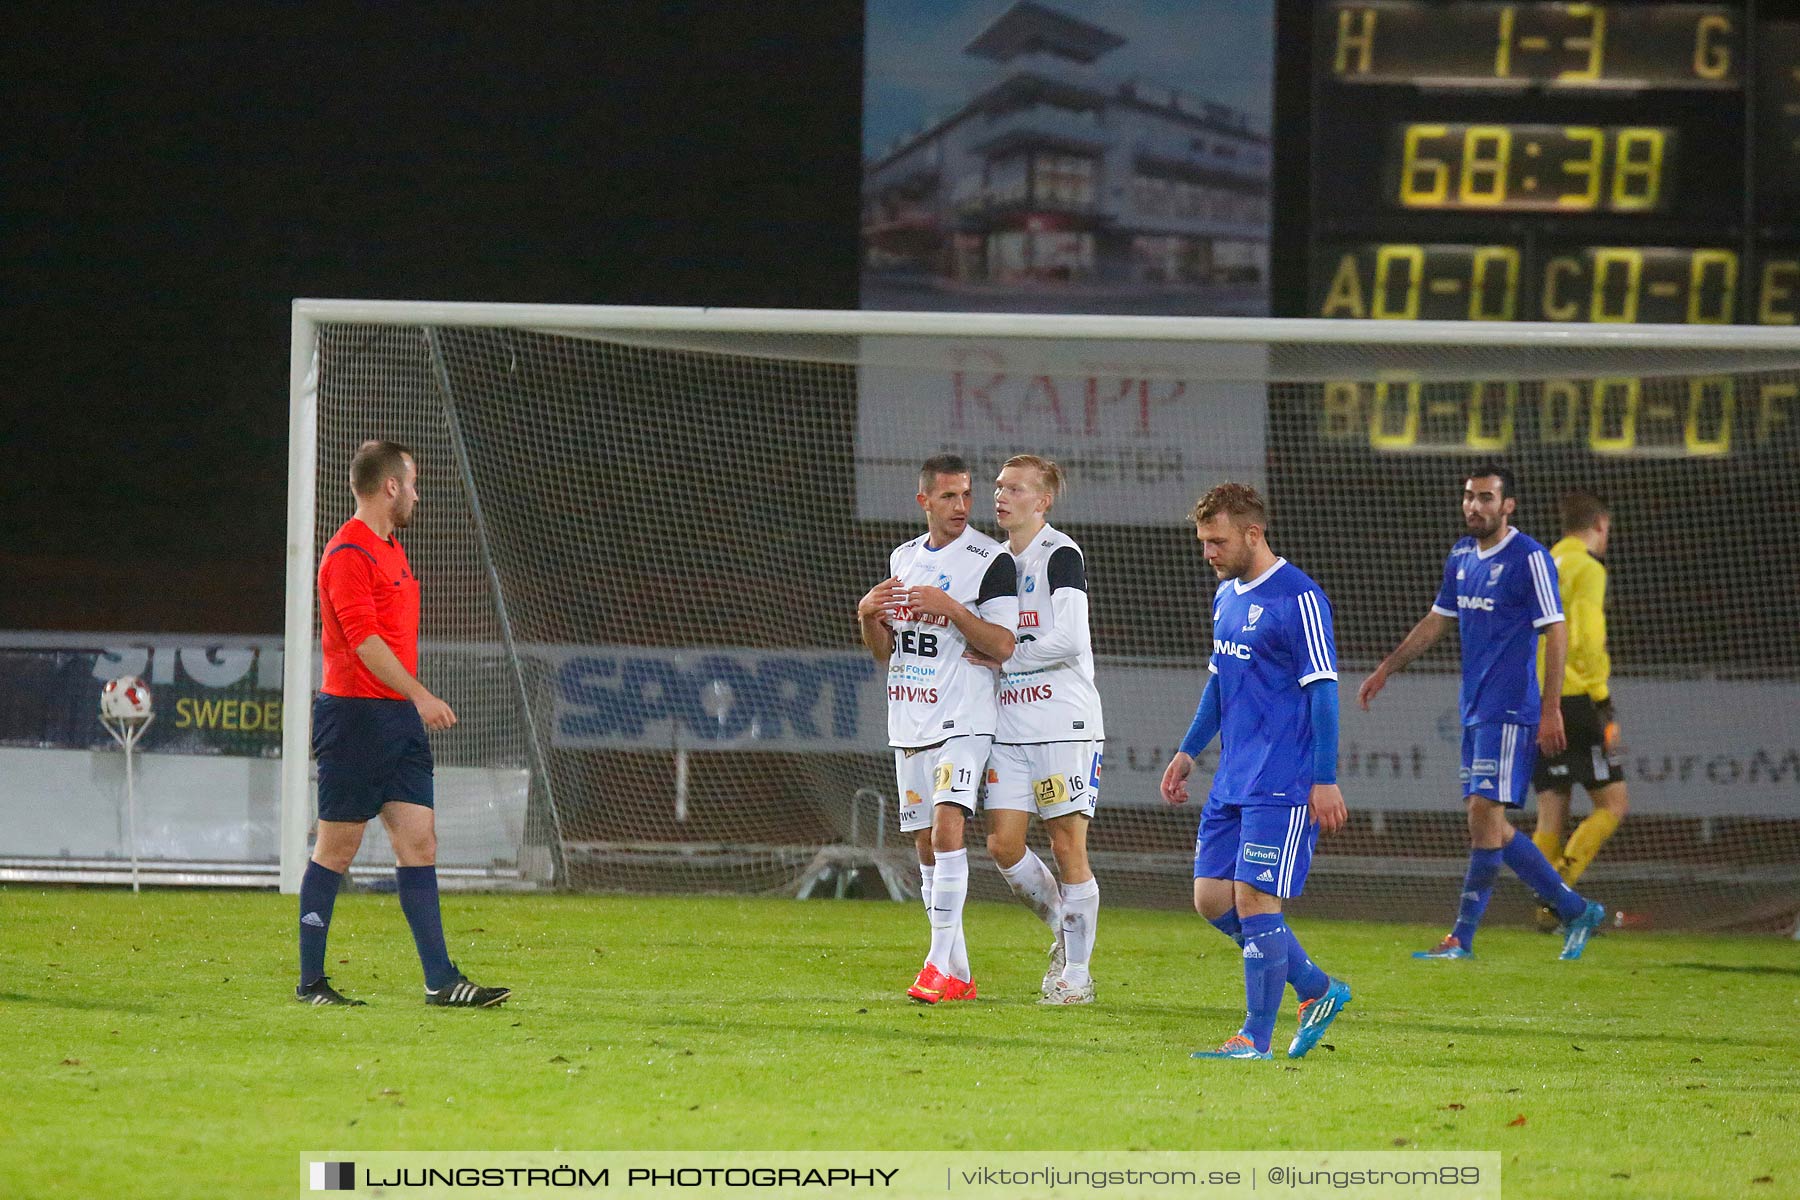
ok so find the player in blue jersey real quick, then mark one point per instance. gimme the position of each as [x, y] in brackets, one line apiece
[1500, 588]
[1272, 699]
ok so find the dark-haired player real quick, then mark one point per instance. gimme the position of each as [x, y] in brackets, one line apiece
[948, 590]
[1500, 589]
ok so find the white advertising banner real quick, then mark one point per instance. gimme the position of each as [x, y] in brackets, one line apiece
[222, 809]
[644, 698]
[1703, 748]
[1141, 429]
[1708, 748]
[1698, 749]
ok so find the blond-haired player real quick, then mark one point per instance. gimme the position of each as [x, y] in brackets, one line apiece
[1048, 748]
[1271, 699]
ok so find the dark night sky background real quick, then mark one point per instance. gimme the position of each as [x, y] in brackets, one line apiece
[175, 176]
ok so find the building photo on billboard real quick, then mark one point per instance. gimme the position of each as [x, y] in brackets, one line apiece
[1075, 157]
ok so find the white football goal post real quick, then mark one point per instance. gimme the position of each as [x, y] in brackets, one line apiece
[643, 532]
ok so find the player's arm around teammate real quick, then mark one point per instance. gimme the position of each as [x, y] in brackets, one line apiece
[1051, 737]
[985, 638]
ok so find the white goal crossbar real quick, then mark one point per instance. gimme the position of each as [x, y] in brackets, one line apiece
[1284, 356]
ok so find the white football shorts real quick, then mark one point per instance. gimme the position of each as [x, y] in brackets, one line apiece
[1051, 779]
[948, 773]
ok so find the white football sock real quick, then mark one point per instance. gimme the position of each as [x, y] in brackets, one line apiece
[1032, 882]
[926, 871]
[1081, 912]
[949, 888]
[959, 954]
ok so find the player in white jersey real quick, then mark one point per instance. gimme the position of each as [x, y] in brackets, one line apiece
[1047, 752]
[949, 591]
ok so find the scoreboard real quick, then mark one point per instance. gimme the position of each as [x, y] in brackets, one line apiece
[1604, 162]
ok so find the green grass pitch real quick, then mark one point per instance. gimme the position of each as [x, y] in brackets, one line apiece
[148, 1045]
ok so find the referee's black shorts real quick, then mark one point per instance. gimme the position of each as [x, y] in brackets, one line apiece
[370, 751]
[1592, 758]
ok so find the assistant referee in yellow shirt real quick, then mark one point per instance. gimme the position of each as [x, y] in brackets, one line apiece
[1592, 758]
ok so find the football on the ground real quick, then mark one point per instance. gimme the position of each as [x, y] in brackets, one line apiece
[126, 698]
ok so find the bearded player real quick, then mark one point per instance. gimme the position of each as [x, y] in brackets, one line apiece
[1500, 590]
[1271, 697]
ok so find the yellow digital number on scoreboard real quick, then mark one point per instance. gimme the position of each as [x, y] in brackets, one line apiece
[1616, 416]
[1575, 46]
[1407, 282]
[1621, 285]
[1531, 168]
[1601, 284]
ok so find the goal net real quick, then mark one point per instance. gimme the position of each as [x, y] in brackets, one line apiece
[643, 533]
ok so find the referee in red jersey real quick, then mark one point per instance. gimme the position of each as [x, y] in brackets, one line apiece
[369, 723]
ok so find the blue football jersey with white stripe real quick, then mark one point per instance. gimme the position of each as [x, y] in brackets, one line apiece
[1500, 598]
[1271, 637]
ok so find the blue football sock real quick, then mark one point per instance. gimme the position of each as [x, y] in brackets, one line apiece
[1265, 974]
[1529, 864]
[1229, 925]
[318, 892]
[1478, 887]
[1309, 982]
[419, 901]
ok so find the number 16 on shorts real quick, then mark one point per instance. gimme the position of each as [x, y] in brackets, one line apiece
[1051, 779]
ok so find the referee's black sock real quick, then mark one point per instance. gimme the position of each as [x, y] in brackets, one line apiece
[318, 892]
[419, 901]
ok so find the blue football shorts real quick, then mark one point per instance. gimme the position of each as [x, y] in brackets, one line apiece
[1497, 758]
[1268, 846]
[370, 751]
